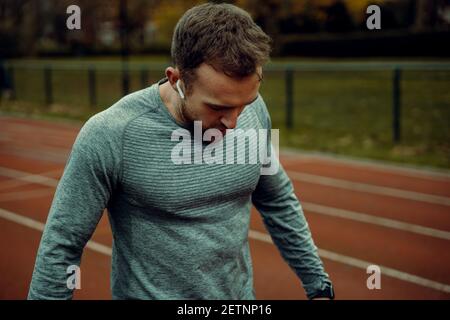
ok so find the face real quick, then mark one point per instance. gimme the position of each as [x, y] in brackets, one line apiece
[217, 99]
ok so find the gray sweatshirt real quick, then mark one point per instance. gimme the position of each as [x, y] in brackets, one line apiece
[179, 231]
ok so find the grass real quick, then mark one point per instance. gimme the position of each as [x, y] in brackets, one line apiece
[342, 112]
[350, 113]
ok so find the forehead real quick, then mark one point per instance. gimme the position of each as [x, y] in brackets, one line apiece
[219, 88]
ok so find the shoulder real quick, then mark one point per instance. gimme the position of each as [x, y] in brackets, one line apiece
[105, 129]
[260, 108]
[108, 126]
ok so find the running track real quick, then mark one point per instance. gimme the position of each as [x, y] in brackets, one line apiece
[360, 214]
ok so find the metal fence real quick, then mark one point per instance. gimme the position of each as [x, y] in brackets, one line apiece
[142, 71]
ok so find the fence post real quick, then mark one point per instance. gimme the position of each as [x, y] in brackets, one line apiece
[289, 82]
[124, 42]
[92, 87]
[396, 106]
[144, 78]
[125, 78]
[10, 81]
[48, 85]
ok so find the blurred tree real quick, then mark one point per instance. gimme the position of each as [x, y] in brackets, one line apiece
[139, 13]
[166, 15]
[33, 26]
[357, 9]
[427, 15]
[15, 25]
[338, 18]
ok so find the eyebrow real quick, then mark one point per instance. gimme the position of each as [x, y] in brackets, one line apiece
[224, 106]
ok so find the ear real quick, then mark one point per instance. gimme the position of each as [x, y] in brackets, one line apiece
[173, 74]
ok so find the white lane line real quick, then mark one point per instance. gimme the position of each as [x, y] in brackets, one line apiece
[302, 155]
[22, 195]
[369, 188]
[370, 219]
[69, 134]
[408, 170]
[314, 208]
[362, 264]
[71, 131]
[296, 176]
[56, 134]
[15, 182]
[61, 155]
[260, 236]
[39, 226]
[40, 154]
[256, 235]
[28, 177]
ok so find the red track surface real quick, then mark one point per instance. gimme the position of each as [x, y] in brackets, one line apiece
[38, 147]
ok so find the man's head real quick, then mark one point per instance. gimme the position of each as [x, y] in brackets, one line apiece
[218, 52]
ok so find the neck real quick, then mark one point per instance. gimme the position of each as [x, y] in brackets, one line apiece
[172, 101]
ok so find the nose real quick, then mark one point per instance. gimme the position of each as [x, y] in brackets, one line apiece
[229, 120]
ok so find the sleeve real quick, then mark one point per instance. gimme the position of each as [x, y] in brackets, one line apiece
[283, 217]
[82, 194]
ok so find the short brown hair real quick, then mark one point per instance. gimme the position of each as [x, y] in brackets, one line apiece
[221, 35]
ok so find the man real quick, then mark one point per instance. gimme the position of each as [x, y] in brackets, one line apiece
[180, 231]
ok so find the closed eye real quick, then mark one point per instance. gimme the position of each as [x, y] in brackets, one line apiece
[216, 108]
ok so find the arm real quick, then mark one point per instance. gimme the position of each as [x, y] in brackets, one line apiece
[283, 217]
[89, 178]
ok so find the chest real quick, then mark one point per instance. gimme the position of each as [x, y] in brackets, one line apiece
[152, 178]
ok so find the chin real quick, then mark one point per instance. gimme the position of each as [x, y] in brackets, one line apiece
[215, 140]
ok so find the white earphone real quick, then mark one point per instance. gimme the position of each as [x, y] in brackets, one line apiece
[179, 89]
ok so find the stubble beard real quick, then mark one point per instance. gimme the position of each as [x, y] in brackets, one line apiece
[187, 118]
